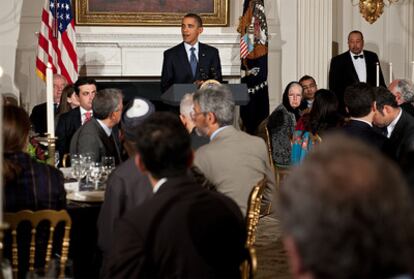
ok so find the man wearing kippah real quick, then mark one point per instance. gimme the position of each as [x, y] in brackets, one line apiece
[126, 187]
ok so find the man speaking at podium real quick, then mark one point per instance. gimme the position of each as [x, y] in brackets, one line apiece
[190, 61]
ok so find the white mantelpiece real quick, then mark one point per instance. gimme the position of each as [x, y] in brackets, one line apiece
[113, 52]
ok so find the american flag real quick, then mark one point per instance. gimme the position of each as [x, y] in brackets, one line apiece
[244, 46]
[57, 41]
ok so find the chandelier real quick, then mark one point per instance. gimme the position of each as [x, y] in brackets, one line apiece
[371, 10]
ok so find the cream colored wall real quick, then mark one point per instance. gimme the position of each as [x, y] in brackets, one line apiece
[391, 37]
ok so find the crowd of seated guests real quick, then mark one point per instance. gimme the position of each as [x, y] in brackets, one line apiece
[222, 158]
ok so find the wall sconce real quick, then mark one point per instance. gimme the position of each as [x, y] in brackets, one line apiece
[371, 10]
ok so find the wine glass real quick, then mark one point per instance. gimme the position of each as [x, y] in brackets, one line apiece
[108, 164]
[87, 161]
[95, 174]
[78, 168]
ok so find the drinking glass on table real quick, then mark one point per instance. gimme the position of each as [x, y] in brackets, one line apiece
[108, 164]
[78, 167]
[87, 161]
[95, 174]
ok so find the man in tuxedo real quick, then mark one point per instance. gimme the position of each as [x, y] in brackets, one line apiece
[191, 61]
[184, 230]
[360, 105]
[353, 66]
[97, 136]
[233, 161]
[69, 122]
[400, 130]
[38, 117]
[403, 91]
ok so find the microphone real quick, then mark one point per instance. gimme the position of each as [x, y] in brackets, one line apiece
[213, 73]
[203, 74]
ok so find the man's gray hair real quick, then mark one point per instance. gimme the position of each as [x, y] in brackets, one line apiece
[407, 91]
[186, 104]
[106, 101]
[218, 100]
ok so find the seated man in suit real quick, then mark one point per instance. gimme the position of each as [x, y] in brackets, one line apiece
[97, 136]
[183, 231]
[186, 108]
[39, 115]
[309, 89]
[336, 213]
[233, 161]
[400, 130]
[353, 66]
[190, 61]
[403, 91]
[360, 104]
[127, 187]
[69, 122]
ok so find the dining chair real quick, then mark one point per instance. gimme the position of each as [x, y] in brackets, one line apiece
[253, 211]
[248, 268]
[52, 218]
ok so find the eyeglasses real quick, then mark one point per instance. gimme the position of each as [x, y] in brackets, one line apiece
[194, 114]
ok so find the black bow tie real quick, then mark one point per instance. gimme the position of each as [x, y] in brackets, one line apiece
[359, 56]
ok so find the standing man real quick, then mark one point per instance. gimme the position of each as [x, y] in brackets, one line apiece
[70, 121]
[353, 66]
[39, 114]
[403, 91]
[97, 136]
[190, 61]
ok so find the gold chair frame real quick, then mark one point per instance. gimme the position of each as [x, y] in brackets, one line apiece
[253, 211]
[35, 217]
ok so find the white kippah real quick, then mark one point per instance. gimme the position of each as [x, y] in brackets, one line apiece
[138, 108]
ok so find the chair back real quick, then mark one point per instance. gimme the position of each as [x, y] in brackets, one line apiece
[34, 218]
[253, 211]
[248, 267]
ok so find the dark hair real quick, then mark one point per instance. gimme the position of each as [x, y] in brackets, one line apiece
[163, 144]
[356, 32]
[67, 92]
[196, 17]
[106, 101]
[285, 99]
[83, 81]
[306, 77]
[16, 128]
[384, 97]
[324, 112]
[338, 208]
[358, 98]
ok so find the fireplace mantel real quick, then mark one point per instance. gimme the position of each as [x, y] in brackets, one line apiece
[106, 52]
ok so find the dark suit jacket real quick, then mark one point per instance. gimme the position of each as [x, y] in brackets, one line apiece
[68, 123]
[401, 140]
[38, 117]
[184, 231]
[176, 67]
[126, 188]
[91, 138]
[342, 73]
[366, 133]
[408, 107]
[196, 140]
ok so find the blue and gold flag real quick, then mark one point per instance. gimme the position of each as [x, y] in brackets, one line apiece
[253, 55]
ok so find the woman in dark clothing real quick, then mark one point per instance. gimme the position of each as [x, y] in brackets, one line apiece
[28, 184]
[281, 124]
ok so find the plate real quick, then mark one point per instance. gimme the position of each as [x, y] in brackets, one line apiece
[71, 187]
[86, 196]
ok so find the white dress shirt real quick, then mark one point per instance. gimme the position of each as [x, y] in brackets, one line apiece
[360, 66]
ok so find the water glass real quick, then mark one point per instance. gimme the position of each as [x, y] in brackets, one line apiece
[95, 174]
[108, 164]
